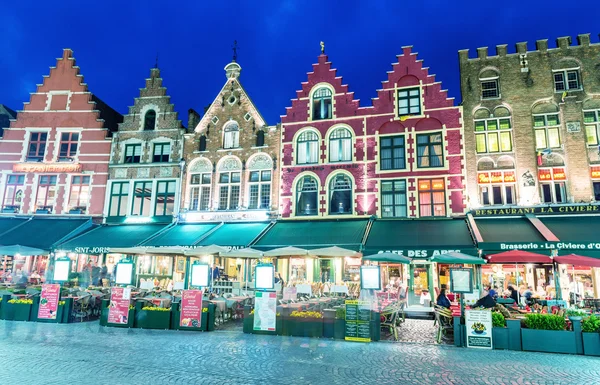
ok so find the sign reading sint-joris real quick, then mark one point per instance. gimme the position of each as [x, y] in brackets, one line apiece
[541, 210]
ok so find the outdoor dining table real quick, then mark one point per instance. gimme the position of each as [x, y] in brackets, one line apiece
[231, 301]
[296, 306]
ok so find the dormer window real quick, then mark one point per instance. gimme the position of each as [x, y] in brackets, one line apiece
[409, 102]
[150, 120]
[231, 136]
[321, 108]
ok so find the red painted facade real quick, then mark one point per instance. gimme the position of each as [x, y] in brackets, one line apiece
[54, 156]
[395, 123]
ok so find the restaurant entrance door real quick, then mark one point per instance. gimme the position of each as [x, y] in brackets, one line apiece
[419, 282]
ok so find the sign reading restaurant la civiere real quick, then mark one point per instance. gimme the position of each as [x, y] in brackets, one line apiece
[541, 210]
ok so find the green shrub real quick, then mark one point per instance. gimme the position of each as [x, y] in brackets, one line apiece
[545, 322]
[574, 312]
[498, 320]
[590, 324]
[340, 313]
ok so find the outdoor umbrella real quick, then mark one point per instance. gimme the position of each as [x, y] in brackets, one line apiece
[576, 260]
[334, 251]
[288, 251]
[246, 254]
[13, 250]
[148, 250]
[205, 250]
[388, 257]
[458, 258]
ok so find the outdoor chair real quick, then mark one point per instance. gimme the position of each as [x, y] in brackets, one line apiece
[443, 318]
[390, 322]
[81, 308]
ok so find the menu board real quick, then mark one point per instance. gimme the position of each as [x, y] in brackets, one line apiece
[62, 268]
[49, 301]
[124, 273]
[200, 275]
[118, 310]
[358, 321]
[264, 277]
[190, 315]
[370, 278]
[461, 281]
[479, 329]
[265, 311]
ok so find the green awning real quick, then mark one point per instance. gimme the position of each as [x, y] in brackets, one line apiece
[314, 234]
[100, 239]
[458, 258]
[419, 238]
[234, 234]
[7, 224]
[181, 235]
[499, 230]
[584, 229]
[44, 233]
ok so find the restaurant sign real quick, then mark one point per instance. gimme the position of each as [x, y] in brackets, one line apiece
[423, 253]
[49, 301]
[358, 321]
[47, 167]
[516, 211]
[265, 311]
[539, 246]
[479, 328]
[118, 310]
[191, 309]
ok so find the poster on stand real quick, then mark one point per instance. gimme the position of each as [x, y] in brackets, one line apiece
[191, 309]
[358, 321]
[118, 310]
[290, 293]
[265, 311]
[479, 329]
[49, 301]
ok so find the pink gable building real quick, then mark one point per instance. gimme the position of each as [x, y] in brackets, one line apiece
[54, 156]
[401, 157]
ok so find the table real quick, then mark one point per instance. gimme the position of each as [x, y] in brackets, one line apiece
[304, 289]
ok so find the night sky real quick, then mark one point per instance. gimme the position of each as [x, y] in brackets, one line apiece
[116, 42]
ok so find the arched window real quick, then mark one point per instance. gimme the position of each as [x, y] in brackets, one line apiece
[202, 144]
[231, 137]
[260, 138]
[200, 185]
[150, 120]
[307, 196]
[321, 108]
[340, 190]
[493, 133]
[340, 145]
[307, 148]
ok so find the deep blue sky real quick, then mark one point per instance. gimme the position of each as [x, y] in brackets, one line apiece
[115, 42]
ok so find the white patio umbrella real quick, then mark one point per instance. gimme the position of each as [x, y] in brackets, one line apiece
[288, 251]
[13, 250]
[152, 250]
[246, 254]
[334, 251]
[205, 250]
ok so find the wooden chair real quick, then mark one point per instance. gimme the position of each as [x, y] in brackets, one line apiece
[443, 319]
[390, 322]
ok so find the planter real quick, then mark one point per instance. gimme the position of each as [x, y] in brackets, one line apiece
[328, 323]
[152, 319]
[375, 326]
[249, 326]
[305, 327]
[104, 319]
[500, 338]
[339, 329]
[7, 311]
[176, 315]
[591, 344]
[549, 341]
[22, 312]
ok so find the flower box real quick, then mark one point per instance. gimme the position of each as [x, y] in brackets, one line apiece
[176, 315]
[153, 319]
[305, 327]
[549, 341]
[22, 312]
[500, 338]
[591, 344]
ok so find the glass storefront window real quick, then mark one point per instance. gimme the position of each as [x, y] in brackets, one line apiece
[297, 269]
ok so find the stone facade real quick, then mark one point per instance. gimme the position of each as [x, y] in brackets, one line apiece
[541, 103]
[145, 170]
[54, 156]
[332, 148]
[231, 159]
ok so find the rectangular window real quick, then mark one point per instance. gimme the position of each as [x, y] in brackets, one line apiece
[80, 193]
[37, 146]
[409, 102]
[546, 131]
[592, 127]
[393, 199]
[68, 146]
[259, 190]
[489, 89]
[596, 191]
[200, 192]
[566, 80]
[496, 188]
[161, 152]
[142, 195]
[133, 153]
[493, 135]
[229, 191]
[46, 193]
[552, 182]
[165, 198]
[13, 193]
[119, 199]
[392, 153]
[430, 150]
[432, 198]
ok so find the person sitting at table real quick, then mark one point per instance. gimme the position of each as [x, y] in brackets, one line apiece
[493, 291]
[442, 299]
[35, 277]
[486, 301]
[528, 294]
[514, 294]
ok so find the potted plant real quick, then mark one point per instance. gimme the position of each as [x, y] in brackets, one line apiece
[590, 327]
[575, 314]
[499, 331]
[152, 317]
[305, 324]
[547, 333]
[339, 325]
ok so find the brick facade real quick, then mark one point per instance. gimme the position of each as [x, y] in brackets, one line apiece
[54, 156]
[529, 91]
[387, 120]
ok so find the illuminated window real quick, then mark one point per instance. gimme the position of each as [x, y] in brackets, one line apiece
[321, 104]
[553, 185]
[306, 196]
[596, 186]
[229, 190]
[340, 201]
[37, 146]
[150, 120]
[46, 193]
[566, 80]
[13, 193]
[409, 102]
[142, 196]
[591, 119]
[430, 150]
[391, 153]
[546, 128]
[165, 198]
[432, 198]
[200, 192]
[307, 148]
[260, 189]
[393, 199]
[231, 136]
[493, 135]
[68, 146]
[79, 197]
[497, 187]
[340, 145]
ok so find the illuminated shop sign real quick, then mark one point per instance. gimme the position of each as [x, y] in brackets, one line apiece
[47, 167]
[571, 209]
[496, 177]
[595, 172]
[546, 174]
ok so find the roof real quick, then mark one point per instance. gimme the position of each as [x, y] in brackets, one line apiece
[234, 234]
[181, 235]
[6, 114]
[111, 117]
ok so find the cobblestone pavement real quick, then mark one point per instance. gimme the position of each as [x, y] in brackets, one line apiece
[86, 353]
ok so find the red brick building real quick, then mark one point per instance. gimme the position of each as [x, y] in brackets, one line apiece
[400, 157]
[54, 156]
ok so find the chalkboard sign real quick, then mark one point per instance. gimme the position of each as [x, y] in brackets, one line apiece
[358, 321]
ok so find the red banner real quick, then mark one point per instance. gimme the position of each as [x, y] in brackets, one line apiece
[118, 310]
[49, 301]
[191, 309]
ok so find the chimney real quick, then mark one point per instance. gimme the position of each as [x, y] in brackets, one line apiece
[193, 119]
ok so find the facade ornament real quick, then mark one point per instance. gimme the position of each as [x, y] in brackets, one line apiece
[260, 162]
[202, 165]
[230, 164]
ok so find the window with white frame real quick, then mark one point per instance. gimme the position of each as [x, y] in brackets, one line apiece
[553, 185]
[340, 191]
[430, 152]
[392, 152]
[200, 191]
[69, 142]
[307, 148]
[231, 135]
[566, 80]
[161, 152]
[340, 145]
[409, 101]
[432, 198]
[497, 188]
[13, 193]
[37, 146]
[165, 197]
[591, 119]
[229, 190]
[493, 135]
[259, 189]
[119, 199]
[142, 197]
[321, 104]
[547, 127]
[393, 199]
[307, 196]
[80, 193]
[46, 193]
[489, 88]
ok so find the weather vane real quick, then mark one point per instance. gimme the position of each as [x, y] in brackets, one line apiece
[235, 48]
[322, 47]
